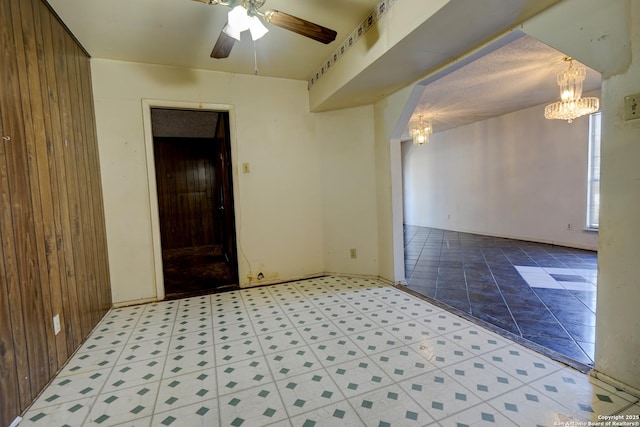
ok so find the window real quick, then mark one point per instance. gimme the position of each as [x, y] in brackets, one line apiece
[593, 184]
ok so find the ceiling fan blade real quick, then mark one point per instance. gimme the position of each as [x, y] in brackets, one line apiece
[204, 1]
[300, 26]
[223, 46]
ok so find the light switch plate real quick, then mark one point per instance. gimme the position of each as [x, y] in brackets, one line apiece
[632, 107]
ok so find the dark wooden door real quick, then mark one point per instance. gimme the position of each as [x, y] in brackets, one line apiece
[195, 207]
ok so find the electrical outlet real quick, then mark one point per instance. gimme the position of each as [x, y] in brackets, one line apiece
[354, 253]
[631, 107]
[569, 227]
[56, 324]
[246, 168]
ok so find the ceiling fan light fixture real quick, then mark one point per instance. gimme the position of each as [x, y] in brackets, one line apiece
[231, 32]
[238, 19]
[246, 15]
[571, 104]
[257, 28]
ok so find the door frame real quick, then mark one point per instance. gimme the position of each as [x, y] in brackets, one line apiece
[147, 105]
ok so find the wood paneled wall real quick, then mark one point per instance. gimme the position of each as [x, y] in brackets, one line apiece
[188, 195]
[53, 257]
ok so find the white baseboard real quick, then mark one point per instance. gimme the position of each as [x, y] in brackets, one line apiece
[614, 382]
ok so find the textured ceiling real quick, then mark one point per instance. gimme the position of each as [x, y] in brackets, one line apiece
[518, 75]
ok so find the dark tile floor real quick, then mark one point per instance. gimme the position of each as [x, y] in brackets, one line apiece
[542, 293]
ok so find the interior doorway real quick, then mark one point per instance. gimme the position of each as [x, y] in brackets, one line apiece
[192, 159]
[540, 294]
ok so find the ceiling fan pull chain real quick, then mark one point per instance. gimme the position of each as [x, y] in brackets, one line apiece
[255, 59]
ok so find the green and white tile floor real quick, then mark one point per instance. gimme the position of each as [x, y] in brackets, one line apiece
[331, 351]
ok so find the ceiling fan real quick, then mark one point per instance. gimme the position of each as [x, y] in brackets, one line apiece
[246, 15]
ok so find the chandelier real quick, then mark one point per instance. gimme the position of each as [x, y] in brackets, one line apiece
[420, 131]
[571, 104]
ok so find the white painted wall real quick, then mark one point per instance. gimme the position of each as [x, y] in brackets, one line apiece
[618, 320]
[350, 218]
[310, 196]
[517, 175]
[278, 205]
[389, 125]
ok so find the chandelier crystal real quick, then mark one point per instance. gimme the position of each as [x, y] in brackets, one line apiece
[420, 131]
[571, 104]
